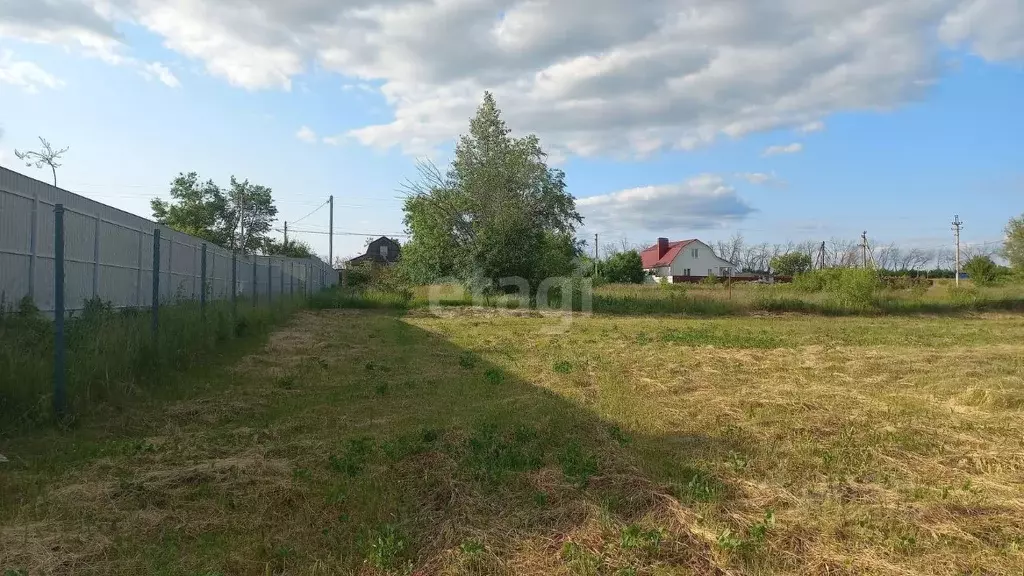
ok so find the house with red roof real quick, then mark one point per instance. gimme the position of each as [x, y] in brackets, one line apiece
[684, 260]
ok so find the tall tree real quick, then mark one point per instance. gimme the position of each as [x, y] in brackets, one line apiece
[290, 249]
[251, 212]
[1013, 246]
[238, 219]
[499, 211]
[199, 208]
[46, 156]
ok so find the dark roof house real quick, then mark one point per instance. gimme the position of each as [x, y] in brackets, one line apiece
[383, 251]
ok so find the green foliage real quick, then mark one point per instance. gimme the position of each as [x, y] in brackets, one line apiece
[494, 453]
[697, 485]
[982, 270]
[624, 268]
[581, 561]
[355, 457]
[710, 280]
[636, 538]
[498, 212]
[1013, 247]
[853, 287]
[290, 249]
[239, 218]
[791, 264]
[578, 465]
[384, 547]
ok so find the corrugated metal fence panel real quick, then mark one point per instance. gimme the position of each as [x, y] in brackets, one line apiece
[109, 255]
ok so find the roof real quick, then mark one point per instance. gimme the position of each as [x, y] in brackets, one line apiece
[649, 256]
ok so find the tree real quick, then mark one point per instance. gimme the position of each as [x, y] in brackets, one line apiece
[251, 212]
[200, 209]
[791, 264]
[47, 156]
[624, 267]
[238, 219]
[291, 249]
[982, 270]
[499, 211]
[1013, 247]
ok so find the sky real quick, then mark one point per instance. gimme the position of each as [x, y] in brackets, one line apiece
[782, 120]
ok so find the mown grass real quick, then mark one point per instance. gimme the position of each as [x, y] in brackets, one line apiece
[368, 442]
[111, 354]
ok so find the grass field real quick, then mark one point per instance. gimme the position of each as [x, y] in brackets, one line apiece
[362, 442]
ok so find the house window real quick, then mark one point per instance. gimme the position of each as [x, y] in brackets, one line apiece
[695, 252]
[384, 251]
[711, 272]
[724, 271]
[686, 272]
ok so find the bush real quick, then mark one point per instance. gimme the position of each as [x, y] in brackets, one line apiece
[847, 286]
[983, 271]
[624, 268]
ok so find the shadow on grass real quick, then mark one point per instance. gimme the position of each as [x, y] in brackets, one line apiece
[357, 441]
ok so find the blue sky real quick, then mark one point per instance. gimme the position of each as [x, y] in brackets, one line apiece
[893, 132]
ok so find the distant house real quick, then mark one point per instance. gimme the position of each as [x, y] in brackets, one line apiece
[684, 261]
[382, 251]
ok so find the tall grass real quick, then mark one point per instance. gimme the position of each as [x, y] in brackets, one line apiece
[111, 354]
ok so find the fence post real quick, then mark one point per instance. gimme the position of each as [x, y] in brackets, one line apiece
[255, 295]
[202, 283]
[33, 242]
[234, 282]
[59, 384]
[281, 271]
[291, 280]
[96, 258]
[156, 284]
[138, 273]
[270, 283]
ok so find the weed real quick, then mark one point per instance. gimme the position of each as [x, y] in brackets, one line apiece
[384, 547]
[636, 538]
[540, 498]
[698, 486]
[381, 389]
[494, 376]
[493, 454]
[562, 367]
[467, 360]
[577, 465]
[286, 382]
[355, 457]
[618, 435]
[302, 474]
[471, 547]
[581, 562]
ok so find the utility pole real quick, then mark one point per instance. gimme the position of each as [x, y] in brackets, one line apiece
[864, 249]
[595, 253]
[821, 256]
[286, 233]
[330, 250]
[957, 224]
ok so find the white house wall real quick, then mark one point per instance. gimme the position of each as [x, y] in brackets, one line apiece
[698, 266]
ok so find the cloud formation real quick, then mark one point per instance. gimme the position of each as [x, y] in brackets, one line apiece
[306, 134]
[816, 126]
[783, 149]
[762, 179]
[25, 75]
[591, 77]
[700, 203]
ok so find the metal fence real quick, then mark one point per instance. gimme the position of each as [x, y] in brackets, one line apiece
[109, 255]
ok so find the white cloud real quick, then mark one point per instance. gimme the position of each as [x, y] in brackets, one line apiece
[591, 77]
[762, 179]
[816, 126]
[26, 75]
[333, 140]
[783, 149]
[993, 28]
[162, 73]
[306, 134]
[702, 202]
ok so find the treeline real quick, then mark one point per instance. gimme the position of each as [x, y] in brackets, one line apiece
[238, 217]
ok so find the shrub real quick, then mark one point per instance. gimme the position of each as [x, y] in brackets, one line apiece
[847, 286]
[624, 268]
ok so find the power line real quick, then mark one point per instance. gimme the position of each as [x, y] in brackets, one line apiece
[341, 233]
[311, 212]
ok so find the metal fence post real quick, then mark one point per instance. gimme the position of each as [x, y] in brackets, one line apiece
[255, 295]
[281, 273]
[59, 384]
[234, 282]
[33, 243]
[270, 283]
[202, 283]
[156, 284]
[291, 281]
